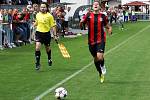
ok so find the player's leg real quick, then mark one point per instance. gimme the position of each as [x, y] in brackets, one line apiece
[48, 50]
[37, 55]
[98, 54]
[97, 65]
[100, 58]
[37, 49]
[93, 51]
[47, 40]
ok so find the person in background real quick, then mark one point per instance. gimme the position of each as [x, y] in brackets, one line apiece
[120, 19]
[81, 15]
[34, 12]
[97, 36]
[8, 28]
[66, 20]
[126, 16]
[1, 29]
[10, 19]
[44, 23]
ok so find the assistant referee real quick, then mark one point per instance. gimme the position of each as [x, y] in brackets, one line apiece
[44, 23]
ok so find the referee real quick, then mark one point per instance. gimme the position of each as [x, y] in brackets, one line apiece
[97, 36]
[44, 23]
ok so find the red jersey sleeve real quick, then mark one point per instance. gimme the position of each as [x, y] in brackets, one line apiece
[105, 18]
[86, 17]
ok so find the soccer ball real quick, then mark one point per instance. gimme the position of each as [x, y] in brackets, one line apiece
[60, 93]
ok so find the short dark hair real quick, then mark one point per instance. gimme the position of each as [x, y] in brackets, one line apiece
[47, 6]
[97, 1]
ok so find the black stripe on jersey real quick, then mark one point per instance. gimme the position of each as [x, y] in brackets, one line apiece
[95, 27]
[102, 28]
[89, 28]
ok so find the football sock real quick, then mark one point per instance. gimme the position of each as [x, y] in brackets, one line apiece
[102, 63]
[49, 54]
[97, 64]
[37, 56]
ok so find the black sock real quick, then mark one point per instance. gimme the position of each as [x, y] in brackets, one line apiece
[37, 56]
[97, 64]
[49, 54]
[102, 63]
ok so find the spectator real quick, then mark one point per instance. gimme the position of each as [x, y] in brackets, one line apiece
[126, 16]
[120, 19]
[20, 30]
[80, 14]
[7, 30]
[66, 19]
[10, 19]
[133, 16]
[1, 29]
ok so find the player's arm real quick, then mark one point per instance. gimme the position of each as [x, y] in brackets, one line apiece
[81, 23]
[54, 32]
[84, 19]
[108, 29]
[107, 25]
[35, 23]
[53, 27]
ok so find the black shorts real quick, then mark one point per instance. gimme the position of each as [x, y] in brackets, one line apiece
[43, 38]
[94, 49]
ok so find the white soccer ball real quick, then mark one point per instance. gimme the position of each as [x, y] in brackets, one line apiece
[60, 93]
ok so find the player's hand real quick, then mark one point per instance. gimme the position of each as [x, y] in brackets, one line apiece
[110, 31]
[55, 37]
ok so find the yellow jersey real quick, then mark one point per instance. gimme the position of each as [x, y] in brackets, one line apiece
[44, 22]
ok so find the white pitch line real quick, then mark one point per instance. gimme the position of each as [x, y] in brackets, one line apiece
[82, 69]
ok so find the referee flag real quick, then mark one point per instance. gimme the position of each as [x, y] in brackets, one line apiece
[63, 50]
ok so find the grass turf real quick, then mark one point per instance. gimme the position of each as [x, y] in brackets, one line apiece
[127, 69]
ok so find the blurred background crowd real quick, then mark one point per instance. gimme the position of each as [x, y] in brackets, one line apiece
[16, 24]
[17, 17]
[25, 2]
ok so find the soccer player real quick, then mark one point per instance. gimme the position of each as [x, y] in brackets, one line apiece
[44, 23]
[97, 36]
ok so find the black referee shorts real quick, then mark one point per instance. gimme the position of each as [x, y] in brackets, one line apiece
[94, 49]
[43, 37]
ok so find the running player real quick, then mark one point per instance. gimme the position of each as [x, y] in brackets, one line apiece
[97, 36]
[44, 23]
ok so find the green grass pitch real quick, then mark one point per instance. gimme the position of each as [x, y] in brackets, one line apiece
[127, 58]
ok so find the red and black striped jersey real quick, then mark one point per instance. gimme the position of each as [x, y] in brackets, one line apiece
[96, 24]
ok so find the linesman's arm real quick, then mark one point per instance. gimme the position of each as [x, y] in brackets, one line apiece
[35, 23]
[54, 32]
[53, 27]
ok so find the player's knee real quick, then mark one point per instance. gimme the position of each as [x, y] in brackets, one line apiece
[37, 48]
[100, 57]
